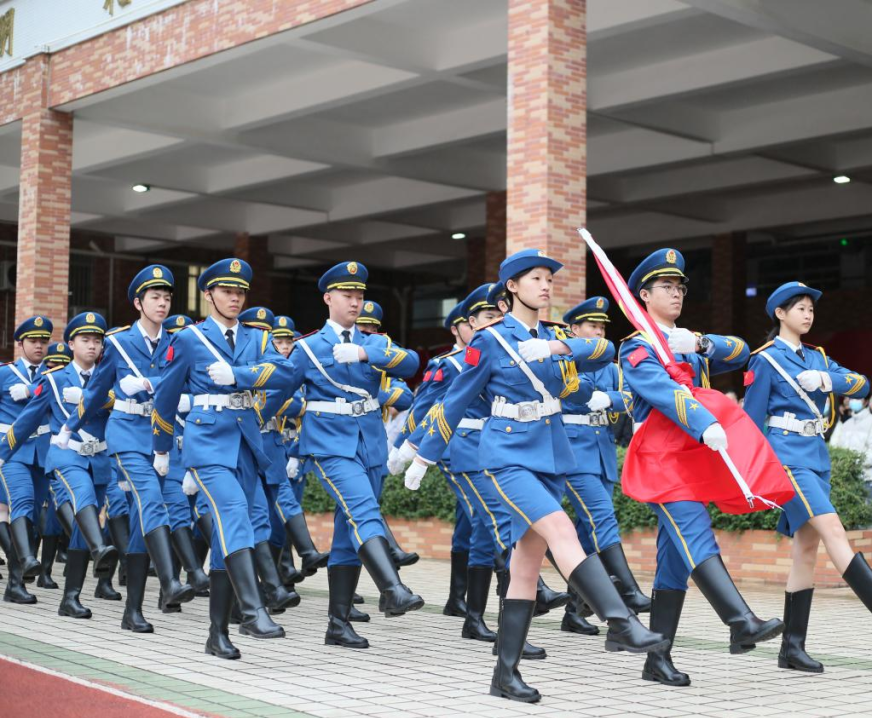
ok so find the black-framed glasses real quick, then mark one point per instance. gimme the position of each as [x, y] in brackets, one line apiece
[672, 288]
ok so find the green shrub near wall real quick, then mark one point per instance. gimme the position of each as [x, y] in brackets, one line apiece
[435, 500]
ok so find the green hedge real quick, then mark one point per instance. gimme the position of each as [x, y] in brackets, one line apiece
[435, 500]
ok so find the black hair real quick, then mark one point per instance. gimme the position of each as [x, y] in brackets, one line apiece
[786, 306]
[510, 296]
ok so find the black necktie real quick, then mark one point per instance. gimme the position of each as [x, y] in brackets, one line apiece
[86, 377]
[230, 340]
[800, 354]
[534, 333]
[32, 371]
[154, 343]
[346, 336]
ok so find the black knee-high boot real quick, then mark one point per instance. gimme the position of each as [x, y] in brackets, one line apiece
[277, 596]
[160, 550]
[255, 619]
[166, 606]
[547, 598]
[615, 561]
[574, 622]
[858, 576]
[401, 558]
[289, 574]
[137, 575]
[665, 614]
[515, 619]
[478, 587]
[396, 598]
[49, 549]
[22, 538]
[104, 588]
[299, 537]
[797, 609]
[220, 603]
[15, 591]
[104, 556]
[183, 543]
[77, 567]
[591, 581]
[457, 586]
[342, 581]
[66, 518]
[529, 651]
[119, 530]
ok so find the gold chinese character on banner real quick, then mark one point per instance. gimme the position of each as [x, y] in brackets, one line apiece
[6, 26]
[109, 5]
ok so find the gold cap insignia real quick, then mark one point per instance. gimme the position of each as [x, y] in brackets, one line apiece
[157, 273]
[352, 267]
[283, 322]
[261, 313]
[90, 318]
[600, 303]
[800, 284]
[180, 321]
[60, 348]
[236, 266]
[671, 257]
[37, 322]
[368, 307]
[540, 253]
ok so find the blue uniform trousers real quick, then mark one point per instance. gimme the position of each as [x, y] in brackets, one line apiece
[177, 503]
[684, 540]
[145, 484]
[283, 505]
[40, 496]
[812, 498]
[591, 497]
[50, 526]
[230, 496]
[489, 507]
[529, 495]
[19, 482]
[81, 492]
[471, 527]
[116, 500]
[357, 517]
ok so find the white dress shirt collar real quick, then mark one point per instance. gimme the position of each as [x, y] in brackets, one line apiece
[339, 329]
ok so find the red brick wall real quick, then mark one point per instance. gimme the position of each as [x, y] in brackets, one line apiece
[547, 137]
[752, 556]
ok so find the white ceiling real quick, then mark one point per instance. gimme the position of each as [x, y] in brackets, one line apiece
[386, 126]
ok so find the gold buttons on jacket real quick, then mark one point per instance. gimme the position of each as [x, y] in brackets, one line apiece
[508, 429]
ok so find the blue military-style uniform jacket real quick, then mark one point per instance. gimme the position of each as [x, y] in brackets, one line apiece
[653, 387]
[394, 393]
[44, 401]
[32, 451]
[212, 437]
[490, 373]
[124, 432]
[281, 409]
[441, 371]
[328, 434]
[768, 394]
[589, 442]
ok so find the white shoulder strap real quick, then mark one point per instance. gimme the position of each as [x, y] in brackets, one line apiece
[523, 366]
[125, 356]
[57, 395]
[457, 364]
[207, 343]
[796, 387]
[320, 367]
[17, 373]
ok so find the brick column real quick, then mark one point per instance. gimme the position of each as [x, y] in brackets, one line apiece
[44, 216]
[254, 250]
[484, 254]
[547, 135]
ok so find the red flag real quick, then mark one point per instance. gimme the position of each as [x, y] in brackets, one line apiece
[664, 463]
[472, 356]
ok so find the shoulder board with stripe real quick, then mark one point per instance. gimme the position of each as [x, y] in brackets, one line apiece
[117, 330]
[57, 368]
[306, 336]
[630, 336]
[449, 353]
[549, 323]
[6, 363]
[813, 346]
[760, 349]
[489, 324]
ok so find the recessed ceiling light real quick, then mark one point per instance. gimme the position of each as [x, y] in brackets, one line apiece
[841, 179]
[141, 188]
[458, 235]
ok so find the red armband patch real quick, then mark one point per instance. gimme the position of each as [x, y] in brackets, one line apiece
[749, 378]
[438, 376]
[170, 354]
[427, 376]
[472, 356]
[637, 356]
[38, 390]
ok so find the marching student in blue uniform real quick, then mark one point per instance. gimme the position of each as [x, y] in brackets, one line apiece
[788, 384]
[80, 463]
[114, 505]
[686, 545]
[130, 368]
[588, 415]
[222, 452]
[343, 439]
[522, 367]
[393, 394]
[50, 530]
[23, 477]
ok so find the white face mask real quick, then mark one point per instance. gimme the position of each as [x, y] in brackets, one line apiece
[855, 405]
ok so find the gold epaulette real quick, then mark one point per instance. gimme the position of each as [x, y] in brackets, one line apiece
[760, 349]
[447, 354]
[490, 323]
[630, 336]
[117, 329]
[57, 368]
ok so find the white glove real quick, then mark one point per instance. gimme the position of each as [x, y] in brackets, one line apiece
[124, 485]
[682, 341]
[414, 474]
[599, 400]
[161, 464]
[184, 404]
[189, 486]
[222, 373]
[292, 467]
[62, 440]
[534, 349]
[72, 394]
[346, 353]
[715, 437]
[19, 392]
[131, 384]
[810, 379]
[399, 459]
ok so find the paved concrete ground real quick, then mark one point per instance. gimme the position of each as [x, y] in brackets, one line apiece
[420, 666]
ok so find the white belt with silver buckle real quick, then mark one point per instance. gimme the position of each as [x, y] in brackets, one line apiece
[804, 427]
[84, 448]
[237, 401]
[343, 407]
[131, 406]
[271, 425]
[526, 410]
[474, 424]
[596, 418]
[44, 429]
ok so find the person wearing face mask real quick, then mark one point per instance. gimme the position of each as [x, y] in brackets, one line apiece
[788, 384]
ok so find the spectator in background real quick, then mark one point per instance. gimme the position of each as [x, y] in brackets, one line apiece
[855, 433]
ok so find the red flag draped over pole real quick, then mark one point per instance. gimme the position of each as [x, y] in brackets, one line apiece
[664, 463]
